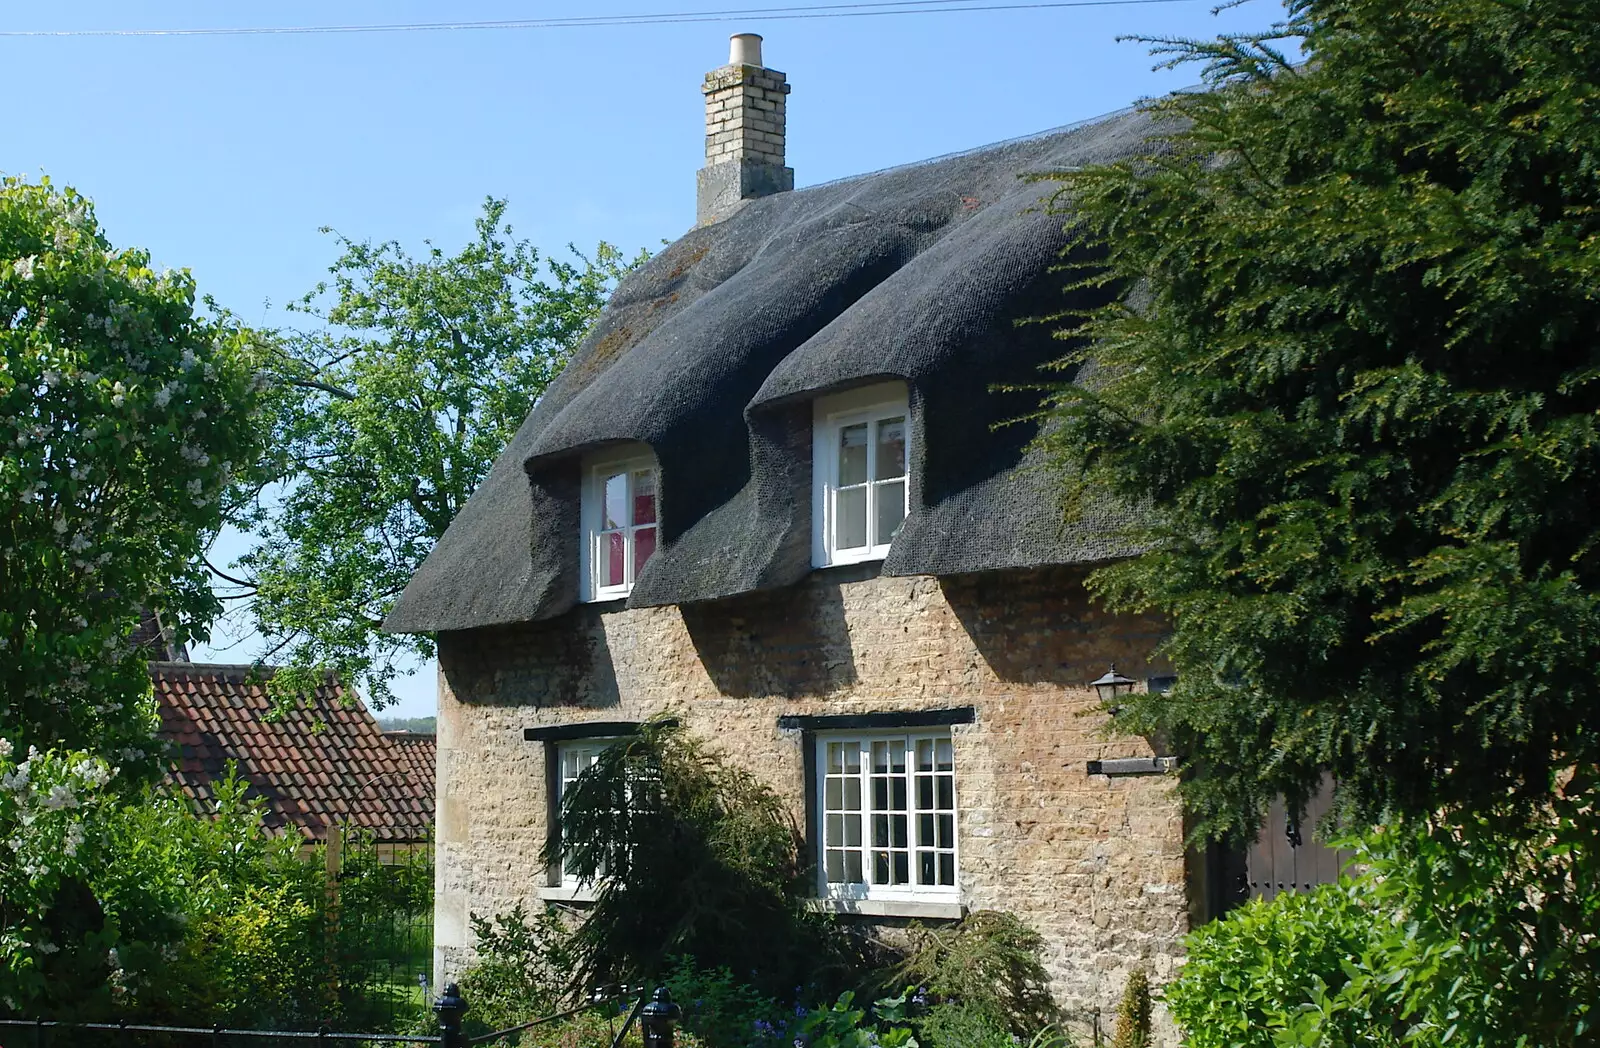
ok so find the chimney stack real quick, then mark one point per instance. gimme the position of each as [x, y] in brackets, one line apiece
[744, 133]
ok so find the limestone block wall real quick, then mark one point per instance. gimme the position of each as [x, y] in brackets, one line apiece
[1095, 864]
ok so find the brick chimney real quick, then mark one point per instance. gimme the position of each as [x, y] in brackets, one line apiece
[744, 133]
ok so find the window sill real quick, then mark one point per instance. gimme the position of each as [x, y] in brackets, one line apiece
[571, 893]
[927, 909]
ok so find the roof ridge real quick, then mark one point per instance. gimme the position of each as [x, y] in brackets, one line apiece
[1001, 144]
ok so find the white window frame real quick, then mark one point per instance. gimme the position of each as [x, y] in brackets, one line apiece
[595, 470]
[831, 415]
[915, 843]
[589, 750]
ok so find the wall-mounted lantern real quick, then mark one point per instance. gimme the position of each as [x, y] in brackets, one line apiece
[1112, 686]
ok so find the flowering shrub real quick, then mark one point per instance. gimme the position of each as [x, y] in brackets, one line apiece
[53, 807]
[123, 415]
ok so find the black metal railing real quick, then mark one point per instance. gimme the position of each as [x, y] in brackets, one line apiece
[656, 1015]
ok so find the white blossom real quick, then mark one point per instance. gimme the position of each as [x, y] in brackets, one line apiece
[73, 840]
[48, 947]
[91, 773]
[196, 486]
[163, 396]
[15, 781]
[52, 378]
[79, 543]
[5, 748]
[23, 267]
[60, 797]
[60, 525]
[117, 400]
[188, 358]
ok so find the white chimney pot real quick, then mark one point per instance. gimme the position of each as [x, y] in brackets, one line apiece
[744, 49]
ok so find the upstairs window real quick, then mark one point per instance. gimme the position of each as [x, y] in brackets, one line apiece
[620, 522]
[859, 466]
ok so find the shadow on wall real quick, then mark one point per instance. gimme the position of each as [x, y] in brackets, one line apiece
[786, 642]
[1039, 626]
[564, 661]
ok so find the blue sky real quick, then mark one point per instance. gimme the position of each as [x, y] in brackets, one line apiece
[225, 154]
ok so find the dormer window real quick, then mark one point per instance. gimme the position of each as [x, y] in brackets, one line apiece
[619, 521]
[859, 470]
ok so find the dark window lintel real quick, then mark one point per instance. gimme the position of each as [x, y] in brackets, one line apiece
[584, 730]
[898, 719]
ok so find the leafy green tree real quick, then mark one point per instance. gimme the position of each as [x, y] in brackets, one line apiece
[385, 420]
[1351, 373]
[122, 415]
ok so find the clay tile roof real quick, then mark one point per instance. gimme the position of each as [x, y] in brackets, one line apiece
[325, 759]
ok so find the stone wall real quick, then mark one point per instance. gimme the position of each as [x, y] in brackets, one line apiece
[1095, 864]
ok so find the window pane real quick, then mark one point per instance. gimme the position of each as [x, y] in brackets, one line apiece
[891, 510]
[852, 868]
[850, 523]
[947, 868]
[852, 758]
[891, 449]
[924, 754]
[947, 798]
[644, 497]
[880, 831]
[925, 830]
[853, 454]
[644, 544]
[880, 758]
[835, 758]
[834, 833]
[880, 867]
[897, 827]
[833, 795]
[902, 864]
[925, 867]
[616, 557]
[835, 867]
[898, 802]
[947, 831]
[852, 794]
[880, 794]
[615, 502]
[852, 831]
[946, 758]
[924, 792]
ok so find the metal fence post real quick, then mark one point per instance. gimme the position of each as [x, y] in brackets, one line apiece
[450, 1007]
[656, 1019]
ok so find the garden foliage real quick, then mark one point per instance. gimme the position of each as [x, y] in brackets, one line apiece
[384, 416]
[1356, 397]
[1450, 934]
[123, 415]
[690, 855]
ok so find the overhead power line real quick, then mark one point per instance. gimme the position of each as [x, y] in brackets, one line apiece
[810, 11]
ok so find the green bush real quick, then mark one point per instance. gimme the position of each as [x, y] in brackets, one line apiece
[989, 963]
[961, 1026]
[691, 856]
[1133, 1015]
[723, 1012]
[1249, 972]
[522, 970]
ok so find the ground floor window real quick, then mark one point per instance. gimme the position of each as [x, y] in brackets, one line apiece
[888, 807]
[574, 758]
